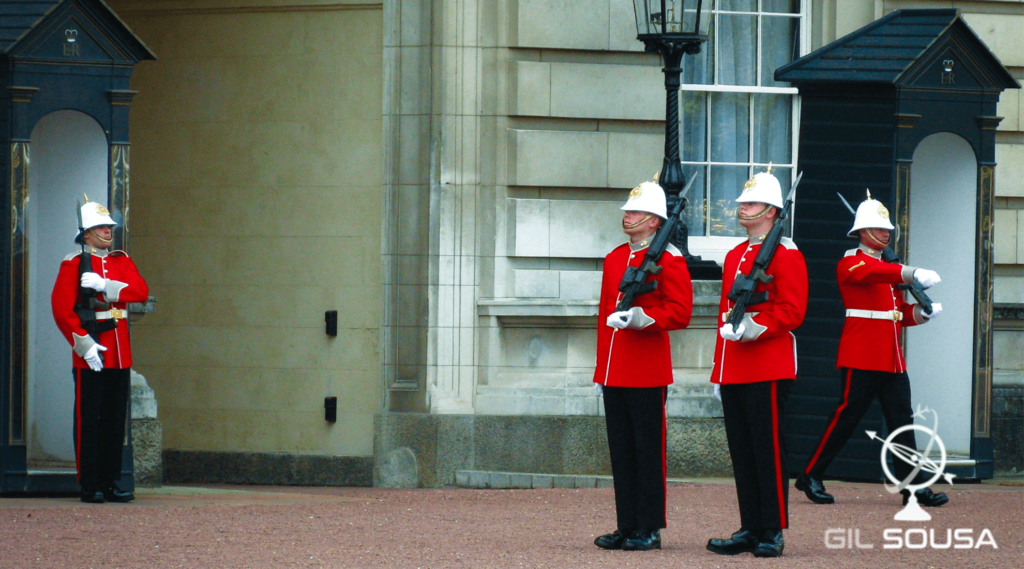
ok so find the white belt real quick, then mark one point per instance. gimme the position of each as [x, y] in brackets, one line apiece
[115, 313]
[890, 315]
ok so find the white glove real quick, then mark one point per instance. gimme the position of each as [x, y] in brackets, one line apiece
[620, 319]
[94, 281]
[718, 391]
[92, 356]
[726, 332]
[600, 389]
[927, 278]
[936, 310]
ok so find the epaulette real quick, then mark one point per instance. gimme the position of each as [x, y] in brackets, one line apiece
[851, 252]
[670, 248]
[72, 255]
[788, 243]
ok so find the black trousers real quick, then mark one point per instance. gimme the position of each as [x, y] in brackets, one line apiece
[754, 415]
[101, 406]
[635, 417]
[860, 387]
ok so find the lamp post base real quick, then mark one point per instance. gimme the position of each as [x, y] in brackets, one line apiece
[703, 269]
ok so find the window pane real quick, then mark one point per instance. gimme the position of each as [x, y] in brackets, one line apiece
[730, 127]
[737, 50]
[738, 5]
[699, 69]
[782, 6]
[772, 126]
[779, 45]
[693, 125]
[726, 185]
[696, 205]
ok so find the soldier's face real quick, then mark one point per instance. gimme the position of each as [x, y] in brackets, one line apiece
[875, 238]
[639, 223]
[99, 236]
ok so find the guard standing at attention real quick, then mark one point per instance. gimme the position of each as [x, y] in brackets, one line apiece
[634, 368]
[90, 305]
[870, 358]
[755, 363]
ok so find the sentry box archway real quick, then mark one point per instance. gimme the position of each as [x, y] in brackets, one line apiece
[65, 68]
[906, 107]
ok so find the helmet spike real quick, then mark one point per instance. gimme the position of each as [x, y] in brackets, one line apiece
[656, 174]
[86, 197]
[770, 167]
[868, 190]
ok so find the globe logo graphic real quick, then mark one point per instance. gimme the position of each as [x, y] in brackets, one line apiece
[920, 460]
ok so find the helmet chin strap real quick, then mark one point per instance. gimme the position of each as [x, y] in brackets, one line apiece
[871, 234]
[751, 217]
[102, 240]
[632, 225]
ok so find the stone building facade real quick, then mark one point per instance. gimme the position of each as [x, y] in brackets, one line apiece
[447, 175]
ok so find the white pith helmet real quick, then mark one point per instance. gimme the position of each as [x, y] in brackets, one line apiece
[871, 214]
[763, 188]
[648, 197]
[93, 214]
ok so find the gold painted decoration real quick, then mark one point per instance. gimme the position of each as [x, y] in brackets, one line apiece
[635, 193]
[882, 211]
[102, 210]
[750, 184]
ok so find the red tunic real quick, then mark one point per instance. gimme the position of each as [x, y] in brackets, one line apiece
[641, 357]
[866, 282]
[767, 350]
[125, 285]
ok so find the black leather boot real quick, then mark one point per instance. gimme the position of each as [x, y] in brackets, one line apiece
[91, 495]
[770, 544]
[926, 497]
[114, 494]
[743, 541]
[643, 540]
[611, 540]
[814, 489]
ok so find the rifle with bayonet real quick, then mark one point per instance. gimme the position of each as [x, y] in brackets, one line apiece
[86, 305]
[742, 293]
[633, 282]
[890, 256]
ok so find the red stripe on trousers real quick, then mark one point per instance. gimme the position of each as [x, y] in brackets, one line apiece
[835, 419]
[78, 425]
[778, 453]
[664, 458]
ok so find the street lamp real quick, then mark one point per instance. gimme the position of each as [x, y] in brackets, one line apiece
[674, 28]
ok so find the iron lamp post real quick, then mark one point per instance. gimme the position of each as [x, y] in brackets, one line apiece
[674, 28]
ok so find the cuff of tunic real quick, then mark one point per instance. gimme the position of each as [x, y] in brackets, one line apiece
[82, 344]
[113, 290]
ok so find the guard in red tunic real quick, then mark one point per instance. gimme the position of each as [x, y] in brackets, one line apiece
[754, 367]
[90, 306]
[634, 368]
[870, 358]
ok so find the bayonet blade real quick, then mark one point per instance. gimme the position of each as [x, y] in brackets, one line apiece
[689, 185]
[792, 190]
[847, 204]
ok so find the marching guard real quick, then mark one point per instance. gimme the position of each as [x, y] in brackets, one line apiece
[870, 358]
[755, 363]
[634, 368]
[90, 305]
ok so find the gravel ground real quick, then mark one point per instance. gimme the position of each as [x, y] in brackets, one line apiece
[271, 527]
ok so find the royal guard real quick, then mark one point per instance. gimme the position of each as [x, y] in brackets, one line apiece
[634, 369]
[755, 363]
[870, 359]
[90, 305]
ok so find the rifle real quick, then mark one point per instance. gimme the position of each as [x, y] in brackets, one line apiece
[86, 305]
[633, 282]
[890, 256]
[742, 293]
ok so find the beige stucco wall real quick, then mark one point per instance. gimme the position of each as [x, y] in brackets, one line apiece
[256, 199]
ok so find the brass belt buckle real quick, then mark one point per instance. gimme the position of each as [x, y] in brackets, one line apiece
[117, 314]
[897, 316]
